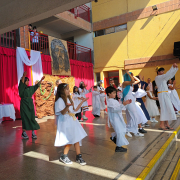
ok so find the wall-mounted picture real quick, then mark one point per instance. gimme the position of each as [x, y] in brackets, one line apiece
[59, 56]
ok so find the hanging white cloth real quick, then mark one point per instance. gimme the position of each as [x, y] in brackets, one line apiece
[34, 61]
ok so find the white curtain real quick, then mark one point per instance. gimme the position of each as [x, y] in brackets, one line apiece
[34, 61]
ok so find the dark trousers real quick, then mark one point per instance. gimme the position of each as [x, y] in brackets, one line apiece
[78, 115]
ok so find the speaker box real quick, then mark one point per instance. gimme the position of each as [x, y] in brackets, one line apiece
[176, 51]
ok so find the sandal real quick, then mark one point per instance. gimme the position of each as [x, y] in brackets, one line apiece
[164, 129]
[170, 128]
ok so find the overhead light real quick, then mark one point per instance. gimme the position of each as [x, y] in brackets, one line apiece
[154, 8]
[96, 0]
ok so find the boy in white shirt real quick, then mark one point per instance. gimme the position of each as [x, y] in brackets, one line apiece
[116, 119]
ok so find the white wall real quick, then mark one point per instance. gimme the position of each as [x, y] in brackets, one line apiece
[81, 37]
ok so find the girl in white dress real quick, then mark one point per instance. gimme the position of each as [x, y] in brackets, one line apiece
[69, 130]
[151, 105]
[116, 119]
[83, 91]
[167, 110]
[131, 110]
[77, 98]
[102, 96]
[174, 95]
[96, 102]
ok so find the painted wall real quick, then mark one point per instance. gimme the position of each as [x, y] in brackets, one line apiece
[110, 51]
[140, 4]
[104, 9]
[153, 36]
[81, 37]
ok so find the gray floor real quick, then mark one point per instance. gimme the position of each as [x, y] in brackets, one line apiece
[39, 159]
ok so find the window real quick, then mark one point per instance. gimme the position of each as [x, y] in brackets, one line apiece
[110, 30]
[121, 27]
[99, 33]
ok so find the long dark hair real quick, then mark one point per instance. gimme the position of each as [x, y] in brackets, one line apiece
[81, 85]
[26, 79]
[61, 93]
[76, 91]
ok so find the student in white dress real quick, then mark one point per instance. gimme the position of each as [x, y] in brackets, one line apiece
[57, 83]
[151, 105]
[116, 119]
[69, 130]
[83, 91]
[77, 98]
[174, 95]
[131, 110]
[102, 96]
[96, 105]
[167, 110]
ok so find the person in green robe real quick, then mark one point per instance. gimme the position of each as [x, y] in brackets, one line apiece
[27, 106]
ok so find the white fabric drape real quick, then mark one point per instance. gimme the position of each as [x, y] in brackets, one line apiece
[34, 61]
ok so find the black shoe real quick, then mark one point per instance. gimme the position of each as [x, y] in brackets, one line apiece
[96, 115]
[113, 139]
[65, 159]
[24, 135]
[120, 149]
[147, 125]
[80, 160]
[142, 131]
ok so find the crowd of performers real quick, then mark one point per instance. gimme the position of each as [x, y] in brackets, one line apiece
[127, 96]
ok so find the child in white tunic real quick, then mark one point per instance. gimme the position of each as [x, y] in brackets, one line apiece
[167, 110]
[116, 120]
[102, 96]
[174, 95]
[131, 110]
[77, 98]
[96, 102]
[83, 91]
[151, 105]
[69, 130]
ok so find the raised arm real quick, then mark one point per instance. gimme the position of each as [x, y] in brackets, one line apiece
[126, 83]
[136, 80]
[23, 77]
[170, 74]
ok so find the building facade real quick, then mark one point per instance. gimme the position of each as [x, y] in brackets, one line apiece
[134, 34]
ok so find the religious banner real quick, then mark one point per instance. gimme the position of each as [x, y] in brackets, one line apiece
[59, 56]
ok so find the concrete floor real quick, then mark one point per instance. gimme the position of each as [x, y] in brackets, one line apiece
[39, 159]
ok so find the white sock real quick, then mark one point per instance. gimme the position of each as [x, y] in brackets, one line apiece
[140, 128]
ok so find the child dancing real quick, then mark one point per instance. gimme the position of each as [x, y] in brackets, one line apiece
[116, 119]
[83, 91]
[69, 130]
[151, 105]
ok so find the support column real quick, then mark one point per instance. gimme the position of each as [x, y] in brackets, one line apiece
[121, 79]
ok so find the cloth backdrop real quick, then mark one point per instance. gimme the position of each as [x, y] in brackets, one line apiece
[34, 61]
[8, 79]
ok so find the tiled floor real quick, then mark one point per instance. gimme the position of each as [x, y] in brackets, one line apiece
[39, 159]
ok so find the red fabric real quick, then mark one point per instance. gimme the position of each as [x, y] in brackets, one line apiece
[8, 79]
[83, 71]
[46, 64]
